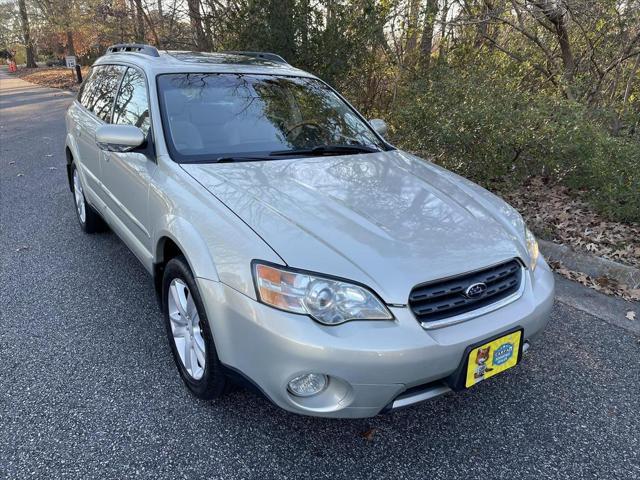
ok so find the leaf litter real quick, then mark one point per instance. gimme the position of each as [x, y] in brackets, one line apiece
[556, 213]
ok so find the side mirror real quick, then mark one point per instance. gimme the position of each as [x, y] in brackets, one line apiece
[379, 126]
[119, 138]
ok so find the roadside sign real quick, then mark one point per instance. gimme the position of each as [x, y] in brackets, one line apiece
[70, 61]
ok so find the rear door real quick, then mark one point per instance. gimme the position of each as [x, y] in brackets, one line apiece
[126, 176]
[97, 98]
[83, 121]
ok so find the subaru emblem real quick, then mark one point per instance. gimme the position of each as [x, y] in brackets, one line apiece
[475, 290]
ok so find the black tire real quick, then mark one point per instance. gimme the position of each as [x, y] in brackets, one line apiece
[92, 223]
[213, 382]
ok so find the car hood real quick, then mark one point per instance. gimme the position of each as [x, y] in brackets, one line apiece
[389, 220]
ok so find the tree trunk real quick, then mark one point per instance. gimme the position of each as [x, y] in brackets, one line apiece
[567, 54]
[426, 42]
[557, 16]
[282, 28]
[443, 34]
[140, 37]
[412, 31]
[202, 42]
[71, 49]
[26, 33]
[483, 26]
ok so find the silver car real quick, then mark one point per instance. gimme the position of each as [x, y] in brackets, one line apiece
[292, 247]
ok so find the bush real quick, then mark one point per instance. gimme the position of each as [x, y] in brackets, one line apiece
[485, 128]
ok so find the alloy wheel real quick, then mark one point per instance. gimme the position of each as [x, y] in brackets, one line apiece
[79, 196]
[185, 327]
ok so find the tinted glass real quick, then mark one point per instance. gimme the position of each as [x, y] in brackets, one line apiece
[132, 104]
[103, 90]
[211, 115]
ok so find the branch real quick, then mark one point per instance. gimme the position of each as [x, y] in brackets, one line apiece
[547, 74]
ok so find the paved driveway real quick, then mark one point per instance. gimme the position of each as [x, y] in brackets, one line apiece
[88, 388]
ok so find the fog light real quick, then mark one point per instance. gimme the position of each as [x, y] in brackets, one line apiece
[307, 385]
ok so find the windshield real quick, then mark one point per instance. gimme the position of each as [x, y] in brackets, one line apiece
[210, 116]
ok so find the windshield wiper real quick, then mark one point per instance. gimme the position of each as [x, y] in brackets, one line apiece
[328, 149]
[241, 158]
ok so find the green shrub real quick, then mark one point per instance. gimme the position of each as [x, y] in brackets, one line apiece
[485, 128]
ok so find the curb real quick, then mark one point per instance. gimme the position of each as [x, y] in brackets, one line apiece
[611, 310]
[590, 264]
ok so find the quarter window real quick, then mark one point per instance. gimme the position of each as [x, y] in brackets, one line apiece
[132, 104]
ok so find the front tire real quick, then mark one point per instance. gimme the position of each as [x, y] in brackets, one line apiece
[189, 333]
[89, 220]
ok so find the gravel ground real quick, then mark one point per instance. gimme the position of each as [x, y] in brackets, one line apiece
[88, 388]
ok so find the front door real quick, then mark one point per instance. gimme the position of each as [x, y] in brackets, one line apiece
[126, 176]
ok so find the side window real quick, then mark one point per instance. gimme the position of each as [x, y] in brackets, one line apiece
[86, 91]
[104, 91]
[99, 90]
[132, 104]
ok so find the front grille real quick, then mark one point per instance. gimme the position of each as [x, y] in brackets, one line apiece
[446, 298]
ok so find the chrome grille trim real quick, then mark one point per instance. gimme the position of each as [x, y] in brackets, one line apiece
[430, 303]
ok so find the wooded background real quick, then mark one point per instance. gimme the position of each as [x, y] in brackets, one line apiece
[497, 90]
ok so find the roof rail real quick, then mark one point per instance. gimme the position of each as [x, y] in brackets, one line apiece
[272, 57]
[134, 48]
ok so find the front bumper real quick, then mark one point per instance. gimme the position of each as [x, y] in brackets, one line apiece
[370, 363]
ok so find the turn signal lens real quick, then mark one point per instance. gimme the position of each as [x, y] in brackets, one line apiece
[532, 248]
[280, 289]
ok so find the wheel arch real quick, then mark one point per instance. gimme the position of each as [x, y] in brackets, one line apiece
[71, 154]
[181, 239]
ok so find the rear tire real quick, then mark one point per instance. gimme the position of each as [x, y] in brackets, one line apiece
[89, 220]
[189, 333]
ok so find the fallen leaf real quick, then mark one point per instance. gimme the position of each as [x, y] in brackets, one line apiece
[631, 315]
[560, 214]
[603, 281]
[369, 434]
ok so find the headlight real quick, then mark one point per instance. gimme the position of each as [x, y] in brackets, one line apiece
[327, 300]
[532, 247]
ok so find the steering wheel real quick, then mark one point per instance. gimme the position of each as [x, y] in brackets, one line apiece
[312, 123]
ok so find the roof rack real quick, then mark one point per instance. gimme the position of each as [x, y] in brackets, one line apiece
[272, 57]
[134, 48]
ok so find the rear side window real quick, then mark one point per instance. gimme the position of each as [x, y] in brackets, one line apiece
[84, 96]
[98, 94]
[132, 104]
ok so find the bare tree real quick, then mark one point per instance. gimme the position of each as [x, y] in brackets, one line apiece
[557, 15]
[26, 33]
[195, 16]
[139, 9]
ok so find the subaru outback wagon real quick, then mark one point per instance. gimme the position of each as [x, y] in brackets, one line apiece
[291, 246]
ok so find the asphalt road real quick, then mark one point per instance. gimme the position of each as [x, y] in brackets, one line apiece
[88, 388]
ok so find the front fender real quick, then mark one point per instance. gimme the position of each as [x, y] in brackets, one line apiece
[190, 243]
